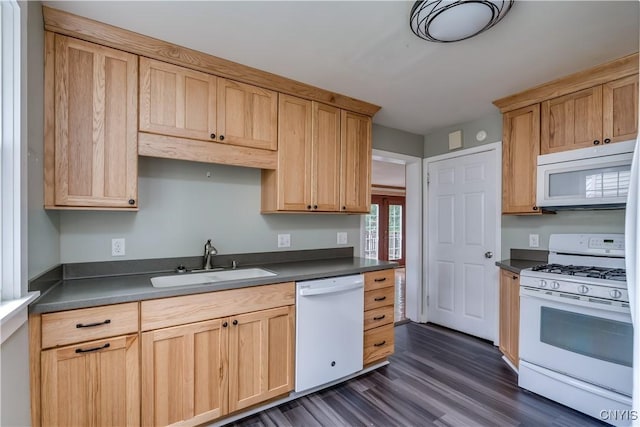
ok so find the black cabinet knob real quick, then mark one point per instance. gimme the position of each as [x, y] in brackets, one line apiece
[607, 140]
[514, 277]
[225, 324]
[221, 137]
[213, 136]
[235, 322]
[344, 208]
[315, 206]
[535, 208]
[596, 142]
[309, 207]
[132, 202]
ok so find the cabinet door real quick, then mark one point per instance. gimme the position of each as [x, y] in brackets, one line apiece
[183, 373]
[177, 101]
[355, 164]
[509, 315]
[92, 384]
[294, 154]
[520, 149]
[326, 158]
[247, 115]
[514, 328]
[620, 109]
[505, 311]
[260, 356]
[572, 121]
[96, 153]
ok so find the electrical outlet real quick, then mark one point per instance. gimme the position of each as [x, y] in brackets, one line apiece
[534, 240]
[117, 247]
[342, 238]
[284, 240]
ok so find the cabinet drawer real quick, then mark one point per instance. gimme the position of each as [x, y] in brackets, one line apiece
[378, 343]
[379, 279]
[378, 317]
[378, 298]
[74, 326]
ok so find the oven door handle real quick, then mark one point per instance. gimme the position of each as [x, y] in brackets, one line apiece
[570, 299]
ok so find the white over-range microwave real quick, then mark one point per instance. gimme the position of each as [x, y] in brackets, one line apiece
[588, 178]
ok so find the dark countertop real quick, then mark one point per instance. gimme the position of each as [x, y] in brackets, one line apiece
[515, 265]
[90, 292]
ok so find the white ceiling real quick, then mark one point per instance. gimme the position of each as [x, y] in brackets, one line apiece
[366, 50]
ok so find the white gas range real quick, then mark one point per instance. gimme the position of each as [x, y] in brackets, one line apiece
[576, 335]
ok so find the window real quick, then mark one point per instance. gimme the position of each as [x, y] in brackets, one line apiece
[12, 167]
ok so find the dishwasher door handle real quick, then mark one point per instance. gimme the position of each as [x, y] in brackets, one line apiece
[323, 290]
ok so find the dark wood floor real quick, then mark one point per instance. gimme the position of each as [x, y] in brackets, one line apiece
[436, 377]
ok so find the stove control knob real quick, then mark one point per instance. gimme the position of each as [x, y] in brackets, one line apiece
[555, 285]
[542, 284]
[583, 289]
[615, 293]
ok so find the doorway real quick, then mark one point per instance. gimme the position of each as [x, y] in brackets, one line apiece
[385, 239]
[462, 233]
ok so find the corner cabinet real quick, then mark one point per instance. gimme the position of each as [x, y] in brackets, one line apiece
[520, 149]
[90, 153]
[509, 315]
[324, 160]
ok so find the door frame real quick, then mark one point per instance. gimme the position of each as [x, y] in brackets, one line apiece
[383, 219]
[413, 246]
[496, 147]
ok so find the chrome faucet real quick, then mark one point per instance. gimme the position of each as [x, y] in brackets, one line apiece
[209, 251]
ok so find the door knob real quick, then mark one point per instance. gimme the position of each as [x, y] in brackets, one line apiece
[488, 254]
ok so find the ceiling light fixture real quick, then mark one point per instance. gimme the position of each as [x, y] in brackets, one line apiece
[447, 21]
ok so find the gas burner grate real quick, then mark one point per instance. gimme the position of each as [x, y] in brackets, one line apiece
[618, 274]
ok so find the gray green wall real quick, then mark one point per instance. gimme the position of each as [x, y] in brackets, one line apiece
[43, 235]
[397, 141]
[180, 207]
[516, 229]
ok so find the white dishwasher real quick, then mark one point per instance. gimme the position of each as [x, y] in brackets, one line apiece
[329, 329]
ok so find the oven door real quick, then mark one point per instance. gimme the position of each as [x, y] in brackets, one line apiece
[589, 341]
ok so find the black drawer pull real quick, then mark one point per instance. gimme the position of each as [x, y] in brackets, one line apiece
[89, 350]
[380, 298]
[380, 344]
[379, 317]
[91, 325]
[381, 279]
[235, 322]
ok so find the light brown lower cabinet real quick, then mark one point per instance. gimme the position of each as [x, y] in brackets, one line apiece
[378, 315]
[91, 384]
[198, 372]
[509, 315]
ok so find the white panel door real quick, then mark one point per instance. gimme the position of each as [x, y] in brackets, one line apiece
[462, 214]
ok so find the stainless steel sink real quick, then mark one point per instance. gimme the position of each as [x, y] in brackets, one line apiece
[209, 277]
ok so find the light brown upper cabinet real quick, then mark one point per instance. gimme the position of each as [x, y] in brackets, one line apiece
[572, 121]
[91, 154]
[520, 149]
[620, 109]
[177, 101]
[602, 114]
[184, 103]
[355, 166]
[323, 165]
[247, 115]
